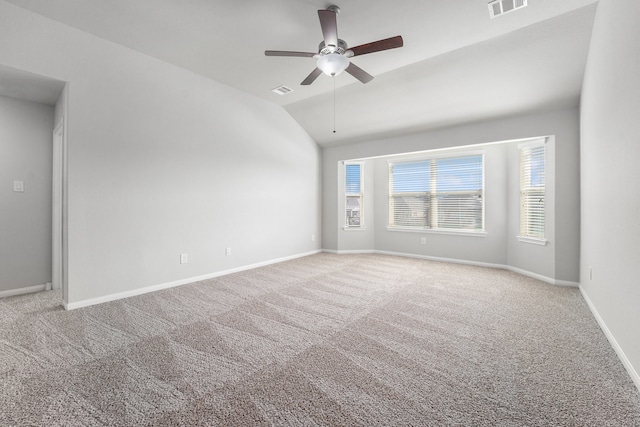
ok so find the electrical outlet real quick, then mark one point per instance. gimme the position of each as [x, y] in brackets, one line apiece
[423, 240]
[227, 252]
[313, 237]
[184, 258]
[590, 273]
[18, 186]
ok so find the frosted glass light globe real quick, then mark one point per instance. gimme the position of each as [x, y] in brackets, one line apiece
[333, 64]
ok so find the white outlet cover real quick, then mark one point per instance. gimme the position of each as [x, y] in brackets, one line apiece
[18, 186]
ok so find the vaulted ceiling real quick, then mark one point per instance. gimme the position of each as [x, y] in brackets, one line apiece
[457, 65]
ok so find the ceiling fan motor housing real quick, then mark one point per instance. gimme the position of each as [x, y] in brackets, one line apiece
[325, 50]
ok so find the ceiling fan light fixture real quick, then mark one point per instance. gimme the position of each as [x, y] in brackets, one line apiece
[333, 64]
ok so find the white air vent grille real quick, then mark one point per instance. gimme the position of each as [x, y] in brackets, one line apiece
[282, 90]
[500, 7]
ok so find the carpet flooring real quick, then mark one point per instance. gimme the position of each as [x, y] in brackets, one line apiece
[325, 340]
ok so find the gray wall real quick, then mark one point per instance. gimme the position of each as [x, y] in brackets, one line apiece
[500, 246]
[25, 218]
[162, 161]
[486, 249]
[610, 175]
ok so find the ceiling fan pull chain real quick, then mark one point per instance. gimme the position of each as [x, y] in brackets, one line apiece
[334, 104]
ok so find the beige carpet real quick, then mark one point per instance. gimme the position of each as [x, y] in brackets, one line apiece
[330, 340]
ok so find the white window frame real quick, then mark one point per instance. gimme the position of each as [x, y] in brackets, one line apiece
[525, 191]
[433, 197]
[346, 224]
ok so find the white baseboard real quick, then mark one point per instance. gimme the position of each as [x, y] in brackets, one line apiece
[549, 280]
[540, 277]
[567, 283]
[614, 343]
[330, 251]
[161, 286]
[441, 259]
[26, 290]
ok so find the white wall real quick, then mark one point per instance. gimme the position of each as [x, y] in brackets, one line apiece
[25, 218]
[500, 246]
[162, 162]
[610, 151]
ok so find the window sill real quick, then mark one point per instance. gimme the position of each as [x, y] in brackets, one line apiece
[445, 232]
[532, 240]
[354, 228]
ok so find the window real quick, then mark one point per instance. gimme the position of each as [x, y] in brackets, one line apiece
[354, 217]
[532, 190]
[437, 194]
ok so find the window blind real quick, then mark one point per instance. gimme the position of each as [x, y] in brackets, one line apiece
[353, 195]
[532, 191]
[440, 193]
[409, 191]
[459, 193]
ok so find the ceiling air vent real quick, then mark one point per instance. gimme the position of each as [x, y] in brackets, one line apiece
[282, 90]
[500, 7]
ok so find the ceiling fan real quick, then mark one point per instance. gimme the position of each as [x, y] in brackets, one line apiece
[333, 53]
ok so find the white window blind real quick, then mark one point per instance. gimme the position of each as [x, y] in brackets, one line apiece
[354, 217]
[532, 190]
[439, 193]
[409, 194]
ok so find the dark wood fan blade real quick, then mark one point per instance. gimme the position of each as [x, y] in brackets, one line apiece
[312, 77]
[329, 25]
[386, 44]
[359, 73]
[288, 53]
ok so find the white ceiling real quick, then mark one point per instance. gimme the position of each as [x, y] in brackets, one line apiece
[457, 65]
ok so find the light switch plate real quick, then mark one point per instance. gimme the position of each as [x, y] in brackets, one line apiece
[18, 186]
